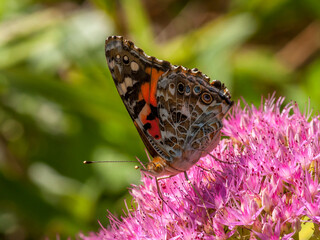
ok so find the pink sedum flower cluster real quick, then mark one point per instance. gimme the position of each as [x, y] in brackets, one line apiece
[267, 186]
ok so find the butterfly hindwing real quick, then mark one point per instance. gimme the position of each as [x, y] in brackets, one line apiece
[190, 112]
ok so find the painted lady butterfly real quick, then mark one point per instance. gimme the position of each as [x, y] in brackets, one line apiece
[177, 111]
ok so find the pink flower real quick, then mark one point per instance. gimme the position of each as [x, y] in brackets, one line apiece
[266, 186]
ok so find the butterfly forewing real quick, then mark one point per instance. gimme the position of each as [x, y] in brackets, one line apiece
[136, 75]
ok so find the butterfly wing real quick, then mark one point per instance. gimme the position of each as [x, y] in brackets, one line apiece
[176, 111]
[136, 77]
[190, 112]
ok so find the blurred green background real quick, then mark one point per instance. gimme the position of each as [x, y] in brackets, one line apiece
[59, 105]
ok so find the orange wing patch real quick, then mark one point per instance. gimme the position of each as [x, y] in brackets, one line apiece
[152, 126]
[148, 93]
[149, 89]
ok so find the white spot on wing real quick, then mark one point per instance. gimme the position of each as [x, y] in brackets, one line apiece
[128, 82]
[123, 88]
[172, 90]
[134, 66]
[111, 64]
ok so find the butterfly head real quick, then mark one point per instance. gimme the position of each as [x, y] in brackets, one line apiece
[160, 167]
[156, 168]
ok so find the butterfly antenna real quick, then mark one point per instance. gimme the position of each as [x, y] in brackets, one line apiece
[137, 167]
[89, 162]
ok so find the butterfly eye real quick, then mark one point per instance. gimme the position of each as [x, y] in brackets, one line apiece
[125, 59]
[197, 90]
[158, 168]
[206, 98]
[180, 87]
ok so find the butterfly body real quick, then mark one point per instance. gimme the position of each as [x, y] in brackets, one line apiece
[177, 111]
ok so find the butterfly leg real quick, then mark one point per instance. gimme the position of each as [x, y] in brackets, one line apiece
[159, 192]
[198, 194]
[221, 161]
[204, 169]
[161, 197]
[158, 188]
[165, 177]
